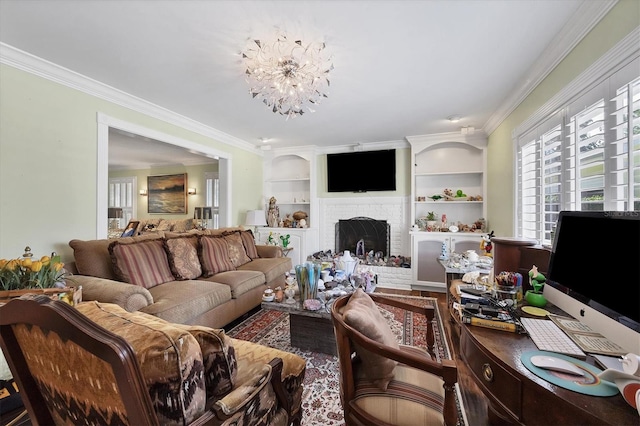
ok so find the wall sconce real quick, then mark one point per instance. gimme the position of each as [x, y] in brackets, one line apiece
[143, 192]
[191, 191]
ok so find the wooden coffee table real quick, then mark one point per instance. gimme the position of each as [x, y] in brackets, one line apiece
[309, 330]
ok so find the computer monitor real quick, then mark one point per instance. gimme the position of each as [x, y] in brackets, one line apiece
[595, 262]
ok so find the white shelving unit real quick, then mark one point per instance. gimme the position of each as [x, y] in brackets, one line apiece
[290, 178]
[453, 161]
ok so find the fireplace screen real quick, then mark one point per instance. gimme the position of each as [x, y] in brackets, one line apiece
[361, 235]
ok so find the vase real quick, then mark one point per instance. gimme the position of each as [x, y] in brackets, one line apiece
[307, 275]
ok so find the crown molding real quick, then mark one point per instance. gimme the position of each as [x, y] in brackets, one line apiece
[583, 21]
[363, 146]
[35, 65]
[625, 51]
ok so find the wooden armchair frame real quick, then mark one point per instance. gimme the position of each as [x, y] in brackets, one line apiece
[72, 326]
[346, 337]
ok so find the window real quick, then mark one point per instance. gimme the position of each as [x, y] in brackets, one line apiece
[121, 194]
[212, 183]
[584, 156]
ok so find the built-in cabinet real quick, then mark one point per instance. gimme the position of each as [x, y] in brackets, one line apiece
[427, 248]
[290, 177]
[445, 161]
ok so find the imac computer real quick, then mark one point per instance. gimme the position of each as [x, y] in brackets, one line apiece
[594, 272]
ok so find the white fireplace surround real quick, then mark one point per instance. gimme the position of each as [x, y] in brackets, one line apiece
[395, 210]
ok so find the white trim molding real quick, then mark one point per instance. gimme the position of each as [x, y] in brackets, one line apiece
[32, 64]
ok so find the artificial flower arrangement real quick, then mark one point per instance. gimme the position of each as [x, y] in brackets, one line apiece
[46, 275]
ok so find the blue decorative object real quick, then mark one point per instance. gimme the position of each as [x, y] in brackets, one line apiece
[444, 254]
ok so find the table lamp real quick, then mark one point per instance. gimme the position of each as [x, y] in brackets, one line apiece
[254, 219]
[114, 214]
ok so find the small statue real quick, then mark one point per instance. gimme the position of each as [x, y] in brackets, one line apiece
[273, 214]
[485, 245]
[285, 240]
[444, 255]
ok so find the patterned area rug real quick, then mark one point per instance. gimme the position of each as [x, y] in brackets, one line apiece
[321, 397]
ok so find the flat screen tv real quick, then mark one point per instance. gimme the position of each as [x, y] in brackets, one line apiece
[595, 259]
[362, 171]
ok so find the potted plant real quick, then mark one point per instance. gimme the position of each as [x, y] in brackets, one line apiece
[432, 218]
[31, 275]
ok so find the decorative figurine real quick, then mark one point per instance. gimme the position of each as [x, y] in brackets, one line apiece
[444, 255]
[273, 214]
[535, 297]
[485, 245]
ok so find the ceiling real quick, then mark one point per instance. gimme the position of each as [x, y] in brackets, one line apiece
[401, 67]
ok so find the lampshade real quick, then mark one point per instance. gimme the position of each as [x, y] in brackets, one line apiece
[255, 218]
[114, 213]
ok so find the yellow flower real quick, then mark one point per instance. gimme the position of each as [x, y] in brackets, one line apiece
[3, 262]
[26, 262]
[13, 264]
[36, 266]
[45, 260]
[58, 266]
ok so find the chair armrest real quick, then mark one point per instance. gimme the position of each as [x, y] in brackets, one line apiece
[265, 250]
[128, 296]
[244, 393]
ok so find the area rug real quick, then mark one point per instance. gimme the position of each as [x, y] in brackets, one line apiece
[321, 398]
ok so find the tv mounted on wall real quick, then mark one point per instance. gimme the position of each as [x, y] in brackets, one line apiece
[362, 171]
[587, 266]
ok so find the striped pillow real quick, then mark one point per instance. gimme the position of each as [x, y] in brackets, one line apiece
[214, 255]
[249, 244]
[144, 263]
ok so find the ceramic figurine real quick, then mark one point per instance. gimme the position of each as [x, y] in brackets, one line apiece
[444, 255]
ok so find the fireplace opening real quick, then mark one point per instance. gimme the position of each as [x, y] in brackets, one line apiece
[361, 235]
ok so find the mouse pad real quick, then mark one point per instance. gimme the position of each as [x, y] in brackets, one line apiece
[588, 384]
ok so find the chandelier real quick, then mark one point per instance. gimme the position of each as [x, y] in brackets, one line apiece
[287, 75]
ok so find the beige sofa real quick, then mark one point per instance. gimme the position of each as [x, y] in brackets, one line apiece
[208, 278]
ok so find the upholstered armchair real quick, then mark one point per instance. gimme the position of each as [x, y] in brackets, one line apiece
[99, 364]
[383, 382]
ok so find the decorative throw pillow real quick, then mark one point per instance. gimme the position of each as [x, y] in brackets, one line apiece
[249, 243]
[164, 225]
[218, 357]
[214, 255]
[362, 313]
[142, 263]
[169, 357]
[183, 258]
[183, 225]
[236, 249]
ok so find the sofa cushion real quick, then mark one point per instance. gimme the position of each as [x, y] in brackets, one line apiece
[218, 356]
[214, 255]
[164, 225]
[142, 263]
[170, 360]
[272, 267]
[235, 246]
[240, 282]
[249, 242]
[92, 257]
[362, 313]
[182, 225]
[182, 253]
[181, 301]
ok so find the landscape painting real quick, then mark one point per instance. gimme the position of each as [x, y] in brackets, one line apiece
[167, 194]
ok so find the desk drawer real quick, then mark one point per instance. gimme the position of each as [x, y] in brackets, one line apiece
[502, 387]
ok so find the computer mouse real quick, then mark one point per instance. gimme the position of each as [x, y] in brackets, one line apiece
[556, 364]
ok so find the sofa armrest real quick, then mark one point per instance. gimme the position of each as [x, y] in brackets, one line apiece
[268, 250]
[128, 296]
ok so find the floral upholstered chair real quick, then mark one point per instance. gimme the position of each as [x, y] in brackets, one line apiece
[386, 383]
[99, 364]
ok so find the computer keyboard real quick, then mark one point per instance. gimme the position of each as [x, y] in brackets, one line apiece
[548, 337]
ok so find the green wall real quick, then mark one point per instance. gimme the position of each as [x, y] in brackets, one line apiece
[48, 163]
[501, 180]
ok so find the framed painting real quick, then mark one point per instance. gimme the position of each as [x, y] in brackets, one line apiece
[167, 194]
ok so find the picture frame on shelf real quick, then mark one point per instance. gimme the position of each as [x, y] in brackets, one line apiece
[167, 194]
[130, 230]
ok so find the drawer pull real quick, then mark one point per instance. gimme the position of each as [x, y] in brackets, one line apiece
[487, 372]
